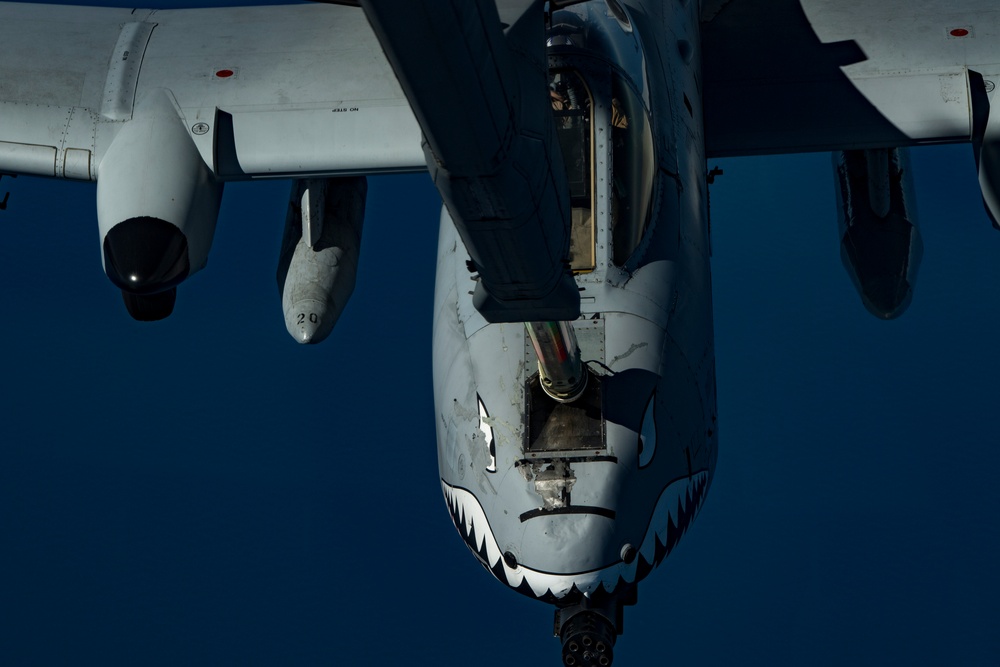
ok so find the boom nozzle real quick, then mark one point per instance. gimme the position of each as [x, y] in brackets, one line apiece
[560, 369]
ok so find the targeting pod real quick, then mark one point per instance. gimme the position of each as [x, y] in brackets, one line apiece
[880, 243]
[319, 254]
[986, 144]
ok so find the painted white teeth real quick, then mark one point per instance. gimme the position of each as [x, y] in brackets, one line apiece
[681, 499]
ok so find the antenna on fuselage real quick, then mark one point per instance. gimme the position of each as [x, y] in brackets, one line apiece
[6, 197]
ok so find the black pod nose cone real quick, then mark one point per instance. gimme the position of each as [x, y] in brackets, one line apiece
[150, 307]
[146, 255]
[886, 297]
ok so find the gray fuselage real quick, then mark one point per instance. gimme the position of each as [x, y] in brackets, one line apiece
[559, 500]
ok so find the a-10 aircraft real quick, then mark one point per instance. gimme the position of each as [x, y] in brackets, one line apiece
[574, 370]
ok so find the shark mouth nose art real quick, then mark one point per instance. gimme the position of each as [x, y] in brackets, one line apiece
[676, 507]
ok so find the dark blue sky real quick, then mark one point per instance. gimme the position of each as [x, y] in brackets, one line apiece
[205, 491]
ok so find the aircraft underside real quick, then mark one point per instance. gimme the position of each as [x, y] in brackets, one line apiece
[574, 361]
[575, 453]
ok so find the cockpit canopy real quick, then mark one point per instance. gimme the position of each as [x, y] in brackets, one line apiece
[586, 99]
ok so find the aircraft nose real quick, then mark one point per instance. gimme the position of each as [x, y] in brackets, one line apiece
[146, 255]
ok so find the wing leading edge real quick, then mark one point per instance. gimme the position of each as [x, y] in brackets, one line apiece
[263, 91]
[784, 76]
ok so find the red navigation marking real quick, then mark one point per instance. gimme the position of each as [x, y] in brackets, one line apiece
[226, 73]
[959, 32]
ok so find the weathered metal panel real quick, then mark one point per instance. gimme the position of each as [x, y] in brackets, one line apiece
[123, 70]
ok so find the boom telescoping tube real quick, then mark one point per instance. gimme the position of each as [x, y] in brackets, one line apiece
[479, 90]
[560, 368]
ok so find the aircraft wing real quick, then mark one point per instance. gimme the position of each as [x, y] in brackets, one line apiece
[262, 91]
[784, 76]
